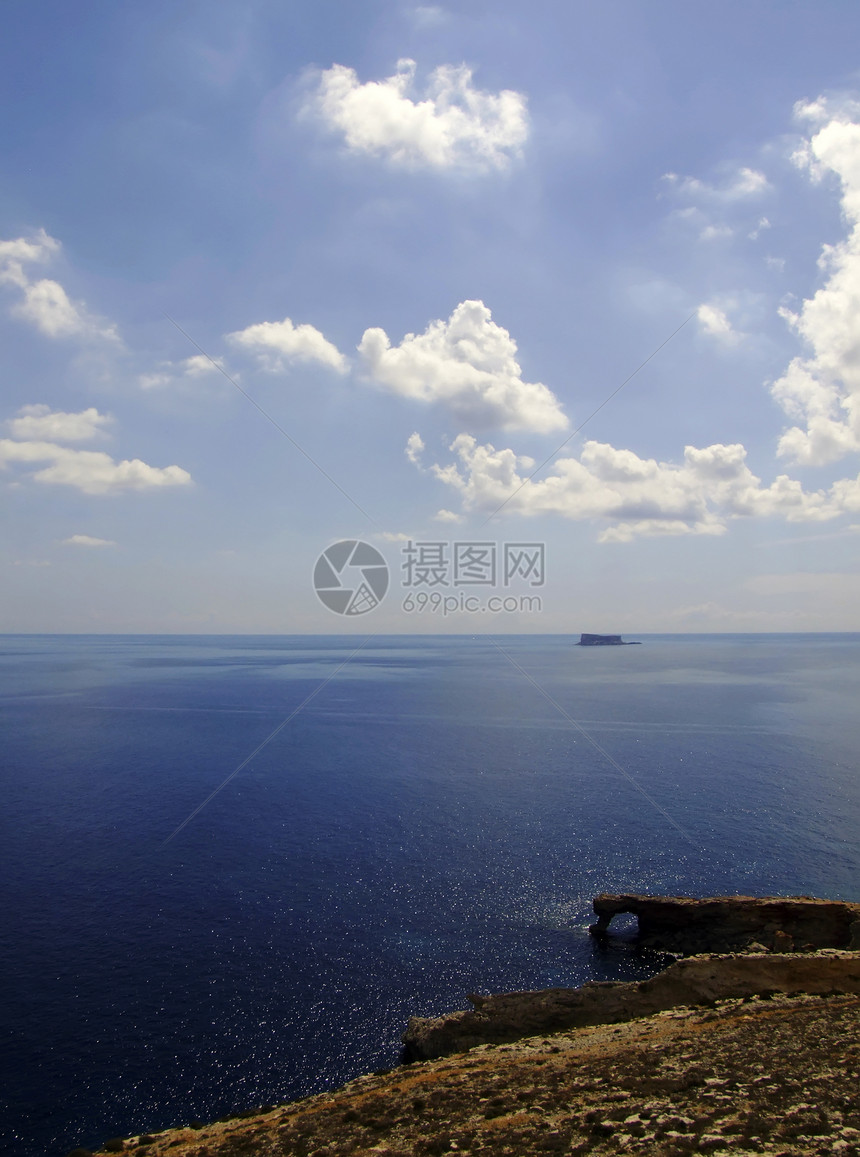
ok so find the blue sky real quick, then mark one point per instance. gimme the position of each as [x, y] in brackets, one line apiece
[429, 242]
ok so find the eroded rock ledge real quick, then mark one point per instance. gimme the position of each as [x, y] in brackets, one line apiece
[510, 1016]
[775, 1077]
[738, 946]
[734, 923]
[765, 1067]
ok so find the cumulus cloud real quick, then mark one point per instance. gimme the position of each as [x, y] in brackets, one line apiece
[277, 343]
[38, 433]
[21, 251]
[90, 471]
[414, 448]
[637, 496]
[199, 364]
[429, 15]
[468, 364]
[87, 540]
[44, 302]
[708, 205]
[455, 125]
[823, 391]
[40, 422]
[716, 232]
[47, 306]
[763, 224]
[740, 185]
[714, 321]
[172, 373]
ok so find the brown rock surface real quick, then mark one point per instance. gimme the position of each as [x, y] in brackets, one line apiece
[613, 1067]
[734, 923]
[777, 1076]
[509, 1016]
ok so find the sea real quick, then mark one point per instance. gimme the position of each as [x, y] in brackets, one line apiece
[233, 867]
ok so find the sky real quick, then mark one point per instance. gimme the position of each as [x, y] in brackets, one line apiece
[554, 307]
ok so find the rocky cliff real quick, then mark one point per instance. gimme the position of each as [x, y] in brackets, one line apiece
[759, 1076]
[586, 640]
[815, 941]
[750, 1052]
[511, 1016]
[734, 923]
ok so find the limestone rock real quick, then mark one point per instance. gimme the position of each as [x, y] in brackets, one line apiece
[510, 1016]
[646, 1085]
[734, 923]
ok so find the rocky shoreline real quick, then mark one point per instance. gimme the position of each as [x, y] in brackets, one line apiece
[738, 946]
[733, 923]
[750, 1051]
[699, 980]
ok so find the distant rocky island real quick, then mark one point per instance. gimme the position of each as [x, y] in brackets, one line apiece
[605, 641]
[748, 1043]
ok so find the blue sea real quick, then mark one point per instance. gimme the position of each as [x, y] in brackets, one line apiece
[433, 818]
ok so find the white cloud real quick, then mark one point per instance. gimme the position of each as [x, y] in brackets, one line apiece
[414, 448]
[762, 224]
[40, 422]
[39, 430]
[447, 516]
[278, 342]
[454, 126]
[638, 496]
[14, 255]
[199, 364]
[429, 15]
[90, 471]
[467, 364]
[171, 373]
[812, 110]
[47, 305]
[87, 540]
[716, 232]
[840, 106]
[742, 184]
[712, 203]
[154, 381]
[44, 302]
[747, 183]
[715, 322]
[823, 391]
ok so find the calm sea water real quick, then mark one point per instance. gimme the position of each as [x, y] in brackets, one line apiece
[428, 824]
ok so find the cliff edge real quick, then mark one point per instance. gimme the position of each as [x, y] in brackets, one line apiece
[733, 923]
[740, 1052]
[774, 1076]
[510, 1016]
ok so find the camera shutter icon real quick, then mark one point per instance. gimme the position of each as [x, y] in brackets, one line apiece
[351, 577]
